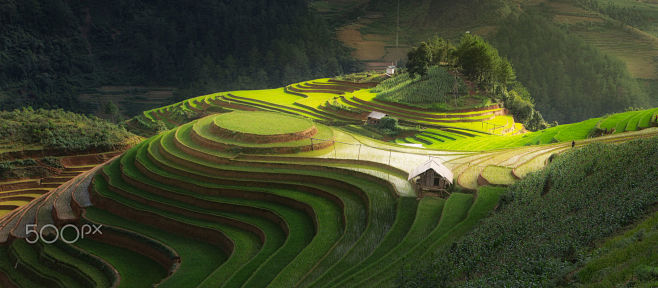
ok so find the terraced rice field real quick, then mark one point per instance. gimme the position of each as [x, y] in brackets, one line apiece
[195, 212]
[267, 193]
[335, 102]
[19, 192]
[459, 140]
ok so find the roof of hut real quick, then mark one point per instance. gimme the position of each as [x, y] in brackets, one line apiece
[376, 115]
[434, 165]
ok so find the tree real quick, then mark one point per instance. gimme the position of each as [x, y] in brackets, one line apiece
[389, 123]
[112, 111]
[420, 59]
[473, 57]
[504, 73]
[441, 50]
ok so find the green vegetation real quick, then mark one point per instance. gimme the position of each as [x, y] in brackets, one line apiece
[388, 126]
[239, 212]
[562, 51]
[629, 258]
[56, 50]
[29, 260]
[441, 90]
[443, 140]
[580, 81]
[255, 123]
[557, 213]
[438, 89]
[481, 63]
[641, 15]
[285, 187]
[57, 129]
[125, 261]
[362, 77]
[285, 220]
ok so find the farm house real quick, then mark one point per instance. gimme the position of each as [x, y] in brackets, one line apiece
[374, 117]
[390, 70]
[432, 176]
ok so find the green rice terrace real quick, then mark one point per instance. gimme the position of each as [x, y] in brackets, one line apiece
[288, 187]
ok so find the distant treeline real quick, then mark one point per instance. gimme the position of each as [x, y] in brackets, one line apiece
[629, 15]
[49, 49]
[569, 79]
[445, 13]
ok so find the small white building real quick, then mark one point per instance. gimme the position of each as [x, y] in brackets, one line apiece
[390, 70]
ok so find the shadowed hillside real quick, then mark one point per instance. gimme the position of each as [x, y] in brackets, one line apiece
[55, 50]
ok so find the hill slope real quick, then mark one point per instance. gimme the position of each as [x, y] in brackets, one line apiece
[556, 214]
[593, 38]
[55, 50]
[307, 200]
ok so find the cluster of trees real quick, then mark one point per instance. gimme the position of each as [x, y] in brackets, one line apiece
[388, 126]
[52, 48]
[569, 80]
[546, 223]
[59, 129]
[476, 58]
[480, 62]
[436, 51]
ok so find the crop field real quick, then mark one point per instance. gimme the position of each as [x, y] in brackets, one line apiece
[446, 139]
[631, 255]
[215, 212]
[281, 188]
[19, 192]
[336, 102]
[471, 130]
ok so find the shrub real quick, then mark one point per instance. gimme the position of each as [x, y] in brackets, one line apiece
[60, 129]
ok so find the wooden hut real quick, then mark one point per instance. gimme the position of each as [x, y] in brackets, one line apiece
[374, 117]
[432, 176]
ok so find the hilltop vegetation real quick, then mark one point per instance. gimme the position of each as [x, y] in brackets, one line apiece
[53, 48]
[57, 129]
[546, 223]
[434, 80]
